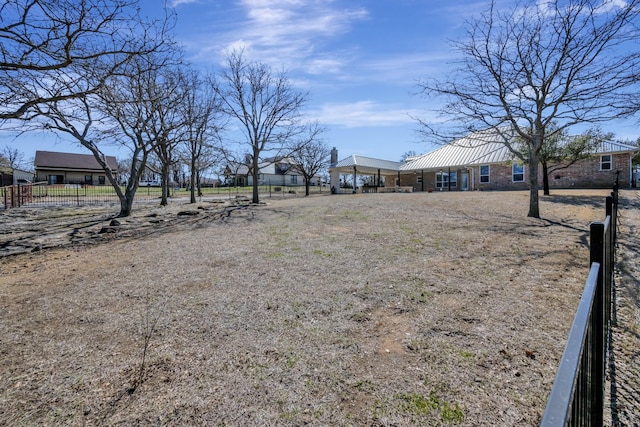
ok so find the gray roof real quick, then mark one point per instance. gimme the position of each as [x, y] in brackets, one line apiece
[71, 161]
[480, 147]
[485, 147]
[367, 164]
[615, 147]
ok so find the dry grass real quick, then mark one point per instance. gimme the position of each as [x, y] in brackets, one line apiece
[377, 309]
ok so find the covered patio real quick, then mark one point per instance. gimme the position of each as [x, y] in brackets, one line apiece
[356, 165]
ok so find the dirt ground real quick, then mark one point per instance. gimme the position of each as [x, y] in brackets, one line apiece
[624, 369]
[373, 309]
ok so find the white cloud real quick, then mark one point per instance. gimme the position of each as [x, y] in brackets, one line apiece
[364, 113]
[325, 66]
[176, 3]
[290, 32]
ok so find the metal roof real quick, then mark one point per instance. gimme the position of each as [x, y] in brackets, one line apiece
[477, 148]
[615, 147]
[367, 164]
[485, 147]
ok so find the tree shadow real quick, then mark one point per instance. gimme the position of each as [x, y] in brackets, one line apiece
[576, 200]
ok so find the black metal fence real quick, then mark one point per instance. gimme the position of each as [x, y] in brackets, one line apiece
[42, 194]
[577, 396]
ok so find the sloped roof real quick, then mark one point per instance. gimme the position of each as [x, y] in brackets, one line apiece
[367, 164]
[480, 147]
[485, 147]
[71, 161]
[615, 147]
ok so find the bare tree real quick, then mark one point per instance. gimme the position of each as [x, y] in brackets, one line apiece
[408, 154]
[539, 63]
[265, 104]
[132, 102]
[63, 67]
[310, 154]
[52, 51]
[201, 114]
[167, 122]
[77, 118]
[121, 112]
[14, 157]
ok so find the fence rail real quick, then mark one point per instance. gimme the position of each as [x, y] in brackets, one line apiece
[577, 396]
[42, 194]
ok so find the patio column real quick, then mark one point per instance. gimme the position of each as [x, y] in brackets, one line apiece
[355, 186]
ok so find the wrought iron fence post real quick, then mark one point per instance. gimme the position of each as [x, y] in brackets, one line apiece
[598, 253]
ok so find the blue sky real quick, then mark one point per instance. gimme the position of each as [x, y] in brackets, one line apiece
[358, 59]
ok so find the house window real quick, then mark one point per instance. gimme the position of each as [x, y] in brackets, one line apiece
[294, 179]
[419, 180]
[446, 180]
[517, 172]
[484, 174]
[88, 179]
[56, 179]
[605, 162]
[101, 179]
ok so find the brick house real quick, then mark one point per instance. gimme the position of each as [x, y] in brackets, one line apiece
[71, 168]
[480, 161]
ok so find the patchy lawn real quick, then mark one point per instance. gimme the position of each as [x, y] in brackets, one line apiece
[374, 309]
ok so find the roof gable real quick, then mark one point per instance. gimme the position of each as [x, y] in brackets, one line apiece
[606, 147]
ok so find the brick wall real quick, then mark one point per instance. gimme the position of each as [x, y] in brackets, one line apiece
[583, 174]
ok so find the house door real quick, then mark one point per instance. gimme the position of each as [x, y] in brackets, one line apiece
[464, 186]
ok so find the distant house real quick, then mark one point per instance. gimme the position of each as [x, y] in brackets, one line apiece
[272, 171]
[11, 176]
[480, 161]
[71, 168]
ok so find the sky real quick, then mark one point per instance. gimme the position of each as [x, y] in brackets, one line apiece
[359, 60]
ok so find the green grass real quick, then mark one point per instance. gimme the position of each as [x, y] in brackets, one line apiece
[420, 409]
[77, 190]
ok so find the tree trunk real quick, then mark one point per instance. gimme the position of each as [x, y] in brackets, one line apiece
[534, 205]
[126, 204]
[307, 183]
[545, 177]
[192, 180]
[199, 183]
[254, 174]
[165, 185]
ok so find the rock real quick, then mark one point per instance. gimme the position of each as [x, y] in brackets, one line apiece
[188, 213]
[104, 230]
